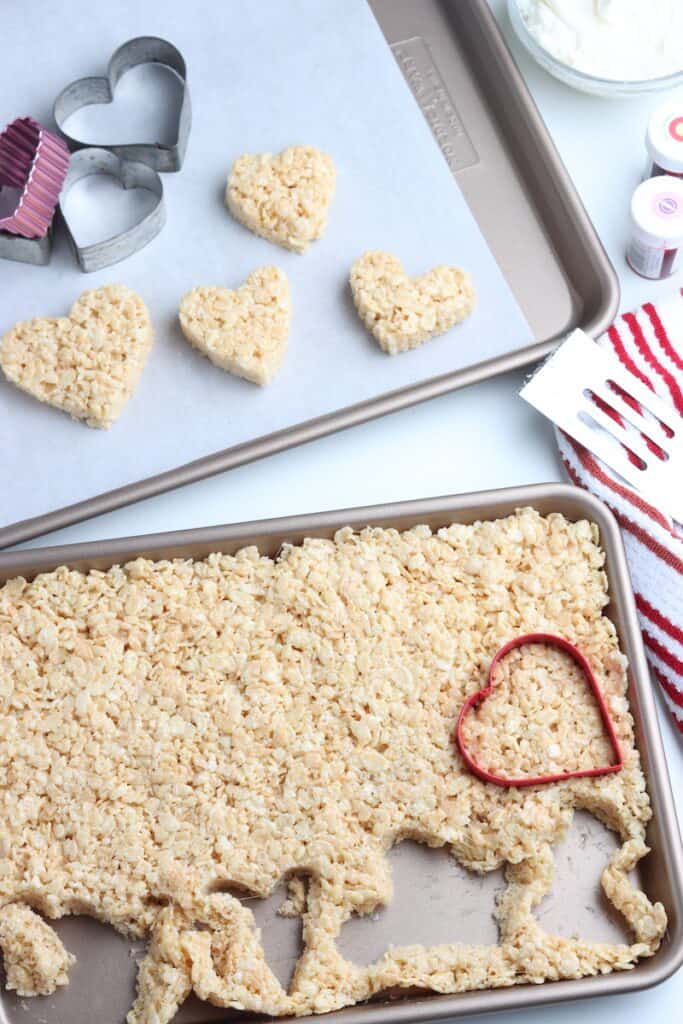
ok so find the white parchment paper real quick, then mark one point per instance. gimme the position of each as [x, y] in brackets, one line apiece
[262, 76]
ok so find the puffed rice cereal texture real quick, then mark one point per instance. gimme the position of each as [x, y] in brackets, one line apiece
[175, 732]
[243, 331]
[284, 198]
[88, 363]
[403, 312]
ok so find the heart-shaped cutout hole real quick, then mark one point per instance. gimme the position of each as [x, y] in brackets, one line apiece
[544, 724]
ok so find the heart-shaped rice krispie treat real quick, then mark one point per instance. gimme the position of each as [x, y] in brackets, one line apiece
[243, 331]
[400, 311]
[88, 363]
[284, 198]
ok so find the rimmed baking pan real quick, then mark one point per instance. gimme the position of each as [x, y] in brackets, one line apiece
[465, 81]
[102, 983]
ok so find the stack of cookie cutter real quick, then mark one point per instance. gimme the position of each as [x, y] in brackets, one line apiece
[35, 161]
[135, 165]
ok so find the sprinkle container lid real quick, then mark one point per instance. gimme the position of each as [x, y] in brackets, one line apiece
[664, 137]
[657, 211]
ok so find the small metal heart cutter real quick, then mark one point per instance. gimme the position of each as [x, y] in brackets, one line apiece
[35, 161]
[87, 91]
[130, 174]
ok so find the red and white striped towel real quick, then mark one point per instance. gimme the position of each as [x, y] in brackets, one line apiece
[650, 343]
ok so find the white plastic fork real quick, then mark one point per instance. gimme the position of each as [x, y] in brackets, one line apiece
[564, 389]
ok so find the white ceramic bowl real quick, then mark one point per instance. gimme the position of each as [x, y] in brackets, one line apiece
[606, 87]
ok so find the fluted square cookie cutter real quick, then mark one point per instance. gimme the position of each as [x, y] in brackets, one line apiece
[36, 251]
[35, 161]
[131, 174]
[87, 91]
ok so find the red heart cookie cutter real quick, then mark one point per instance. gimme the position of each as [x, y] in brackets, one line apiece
[538, 780]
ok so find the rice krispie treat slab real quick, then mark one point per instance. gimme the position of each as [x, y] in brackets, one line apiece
[403, 312]
[87, 364]
[284, 198]
[242, 331]
[175, 731]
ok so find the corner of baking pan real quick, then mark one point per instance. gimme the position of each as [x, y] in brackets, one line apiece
[546, 497]
[605, 293]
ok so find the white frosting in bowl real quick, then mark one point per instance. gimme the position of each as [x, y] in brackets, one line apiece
[620, 40]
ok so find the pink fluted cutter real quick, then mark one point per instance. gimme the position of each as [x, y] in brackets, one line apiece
[36, 161]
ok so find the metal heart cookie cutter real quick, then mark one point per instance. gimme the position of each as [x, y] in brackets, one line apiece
[130, 174]
[87, 91]
[35, 161]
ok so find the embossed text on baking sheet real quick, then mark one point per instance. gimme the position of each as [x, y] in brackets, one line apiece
[428, 88]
